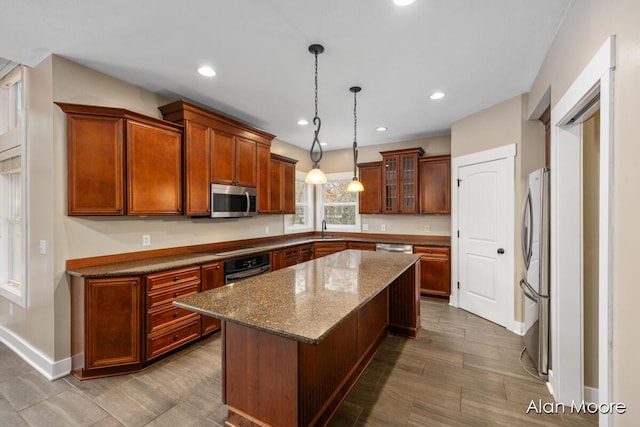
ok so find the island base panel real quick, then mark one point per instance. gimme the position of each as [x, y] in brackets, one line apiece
[404, 303]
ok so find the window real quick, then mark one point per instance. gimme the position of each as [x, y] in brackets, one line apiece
[12, 190]
[302, 220]
[336, 206]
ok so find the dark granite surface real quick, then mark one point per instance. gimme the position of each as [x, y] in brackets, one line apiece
[305, 301]
[157, 264]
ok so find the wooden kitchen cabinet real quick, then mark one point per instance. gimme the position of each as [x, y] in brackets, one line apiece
[435, 270]
[363, 246]
[297, 254]
[139, 171]
[212, 278]
[221, 150]
[400, 177]
[321, 249]
[371, 179]
[435, 185]
[277, 259]
[283, 185]
[169, 327]
[105, 326]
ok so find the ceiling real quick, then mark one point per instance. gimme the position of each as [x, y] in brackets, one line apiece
[478, 52]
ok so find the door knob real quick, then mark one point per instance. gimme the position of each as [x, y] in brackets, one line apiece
[500, 251]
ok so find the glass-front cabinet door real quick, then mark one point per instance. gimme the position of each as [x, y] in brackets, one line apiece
[400, 189]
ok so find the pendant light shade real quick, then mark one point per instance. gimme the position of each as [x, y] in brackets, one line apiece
[315, 175]
[355, 186]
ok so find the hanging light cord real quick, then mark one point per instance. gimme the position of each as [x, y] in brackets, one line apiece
[355, 133]
[317, 123]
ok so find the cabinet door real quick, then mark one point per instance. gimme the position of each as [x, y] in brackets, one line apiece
[277, 259]
[212, 277]
[435, 270]
[435, 185]
[222, 157]
[197, 169]
[263, 175]
[154, 173]
[288, 188]
[112, 322]
[277, 195]
[362, 246]
[391, 192]
[371, 197]
[245, 165]
[95, 165]
[408, 183]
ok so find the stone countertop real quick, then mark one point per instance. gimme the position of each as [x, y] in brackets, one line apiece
[306, 301]
[158, 264]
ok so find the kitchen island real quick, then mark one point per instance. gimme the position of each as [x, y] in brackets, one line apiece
[296, 340]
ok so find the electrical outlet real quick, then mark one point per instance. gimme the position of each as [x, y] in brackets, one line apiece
[383, 227]
[266, 229]
[427, 227]
[365, 227]
[146, 240]
[43, 247]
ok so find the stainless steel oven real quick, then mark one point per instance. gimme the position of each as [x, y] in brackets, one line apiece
[239, 269]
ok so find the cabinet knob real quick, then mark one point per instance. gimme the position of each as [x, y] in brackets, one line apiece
[134, 284]
[217, 267]
[176, 337]
[176, 314]
[175, 295]
[175, 279]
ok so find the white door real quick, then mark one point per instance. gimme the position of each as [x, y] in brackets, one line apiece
[483, 211]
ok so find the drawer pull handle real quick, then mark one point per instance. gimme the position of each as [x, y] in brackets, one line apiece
[175, 279]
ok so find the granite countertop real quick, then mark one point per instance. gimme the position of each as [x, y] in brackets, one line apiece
[305, 301]
[158, 264]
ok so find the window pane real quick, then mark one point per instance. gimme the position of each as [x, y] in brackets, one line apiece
[340, 215]
[336, 192]
[301, 194]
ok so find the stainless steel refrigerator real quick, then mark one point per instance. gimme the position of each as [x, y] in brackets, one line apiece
[535, 283]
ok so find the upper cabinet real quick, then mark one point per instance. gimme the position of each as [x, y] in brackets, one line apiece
[121, 163]
[283, 185]
[371, 179]
[220, 150]
[400, 177]
[435, 185]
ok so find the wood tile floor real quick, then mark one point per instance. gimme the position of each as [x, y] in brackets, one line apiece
[462, 370]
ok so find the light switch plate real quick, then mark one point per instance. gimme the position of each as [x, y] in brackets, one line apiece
[146, 240]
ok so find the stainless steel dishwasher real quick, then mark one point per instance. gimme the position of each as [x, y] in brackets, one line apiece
[394, 247]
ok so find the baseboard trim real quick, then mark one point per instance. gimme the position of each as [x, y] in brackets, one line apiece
[518, 328]
[41, 363]
[591, 395]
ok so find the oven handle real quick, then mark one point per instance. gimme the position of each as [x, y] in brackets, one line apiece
[247, 273]
[246, 193]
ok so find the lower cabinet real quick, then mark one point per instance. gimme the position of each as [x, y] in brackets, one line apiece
[106, 325]
[435, 270]
[321, 249]
[212, 277]
[169, 327]
[362, 246]
[297, 254]
[277, 259]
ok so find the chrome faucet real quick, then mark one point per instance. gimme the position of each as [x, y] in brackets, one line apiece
[323, 234]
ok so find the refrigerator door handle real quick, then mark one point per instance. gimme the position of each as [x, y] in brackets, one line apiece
[526, 234]
[530, 293]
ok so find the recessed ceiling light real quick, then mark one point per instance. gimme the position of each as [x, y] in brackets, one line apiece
[206, 71]
[381, 129]
[403, 2]
[437, 95]
[324, 144]
[303, 122]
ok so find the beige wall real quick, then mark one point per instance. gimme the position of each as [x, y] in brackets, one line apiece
[586, 27]
[590, 226]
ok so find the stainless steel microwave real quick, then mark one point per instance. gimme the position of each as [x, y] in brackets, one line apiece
[231, 201]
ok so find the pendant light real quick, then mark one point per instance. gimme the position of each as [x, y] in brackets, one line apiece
[355, 185]
[315, 175]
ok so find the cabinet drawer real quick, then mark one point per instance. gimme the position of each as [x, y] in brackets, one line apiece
[305, 253]
[169, 338]
[168, 316]
[166, 296]
[434, 251]
[172, 278]
[291, 253]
